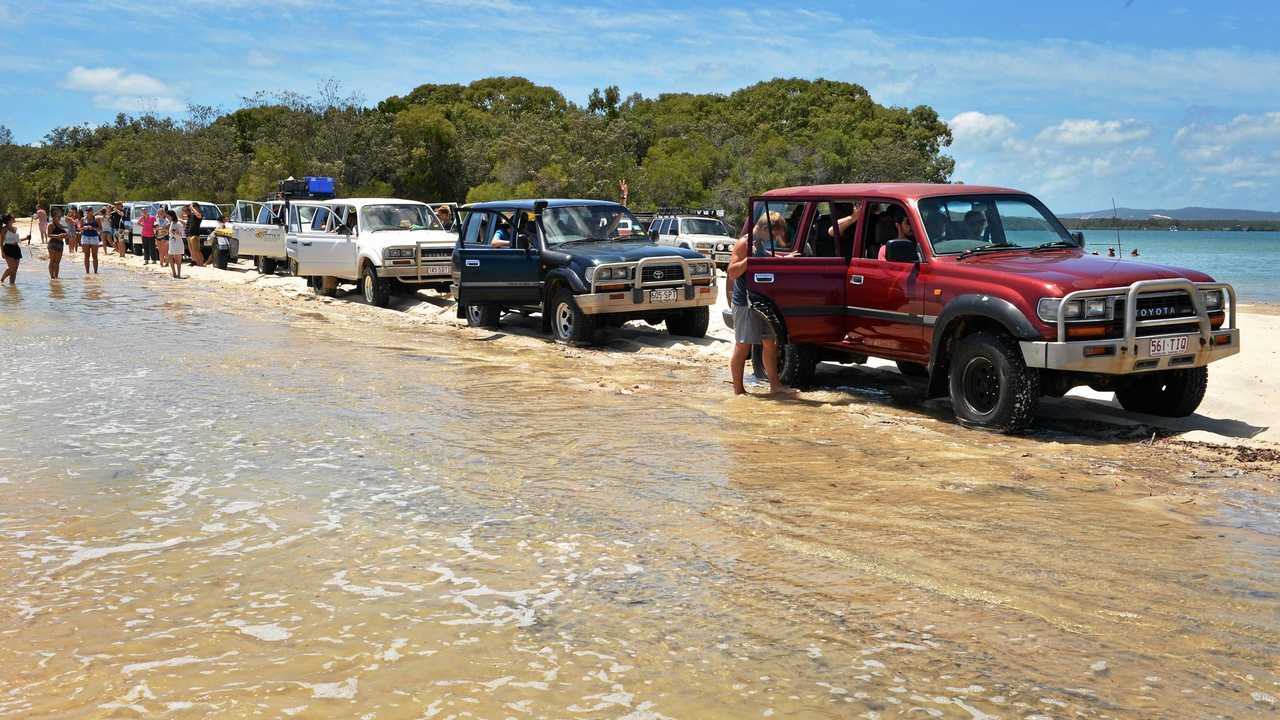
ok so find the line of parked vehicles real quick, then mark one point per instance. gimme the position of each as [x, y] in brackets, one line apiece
[979, 291]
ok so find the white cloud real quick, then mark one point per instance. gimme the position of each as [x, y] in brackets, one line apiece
[115, 81]
[980, 130]
[1079, 132]
[1245, 148]
[116, 89]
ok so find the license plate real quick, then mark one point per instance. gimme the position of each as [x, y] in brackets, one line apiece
[662, 295]
[1168, 346]
[437, 269]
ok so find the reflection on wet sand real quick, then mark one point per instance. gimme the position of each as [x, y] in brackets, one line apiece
[333, 521]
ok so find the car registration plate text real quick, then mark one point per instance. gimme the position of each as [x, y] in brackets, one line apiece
[437, 269]
[1168, 346]
[662, 295]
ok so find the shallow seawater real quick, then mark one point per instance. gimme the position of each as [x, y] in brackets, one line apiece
[221, 508]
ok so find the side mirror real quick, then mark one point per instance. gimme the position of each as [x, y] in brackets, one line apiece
[902, 251]
[1078, 237]
[653, 234]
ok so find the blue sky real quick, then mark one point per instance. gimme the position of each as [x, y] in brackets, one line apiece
[1157, 104]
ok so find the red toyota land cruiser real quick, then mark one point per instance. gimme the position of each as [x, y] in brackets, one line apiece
[983, 291]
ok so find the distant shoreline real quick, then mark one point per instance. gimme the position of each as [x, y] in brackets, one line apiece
[1188, 225]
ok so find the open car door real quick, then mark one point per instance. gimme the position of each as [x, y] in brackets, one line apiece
[798, 265]
[489, 274]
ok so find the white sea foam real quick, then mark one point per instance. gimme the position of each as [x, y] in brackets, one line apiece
[345, 690]
[269, 632]
[86, 554]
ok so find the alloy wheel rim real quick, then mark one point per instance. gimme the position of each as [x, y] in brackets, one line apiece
[981, 382]
[564, 320]
[368, 289]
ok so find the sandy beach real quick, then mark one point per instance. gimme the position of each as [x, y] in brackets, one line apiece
[1242, 406]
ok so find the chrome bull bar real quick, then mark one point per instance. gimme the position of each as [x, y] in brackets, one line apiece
[1132, 293]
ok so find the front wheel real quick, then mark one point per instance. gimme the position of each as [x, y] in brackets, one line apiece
[1170, 393]
[483, 316]
[376, 290]
[991, 385]
[568, 323]
[692, 322]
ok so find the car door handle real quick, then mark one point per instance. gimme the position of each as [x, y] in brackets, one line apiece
[307, 244]
[855, 280]
[473, 263]
[764, 278]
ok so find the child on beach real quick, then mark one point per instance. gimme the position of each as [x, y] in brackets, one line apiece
[177, 233]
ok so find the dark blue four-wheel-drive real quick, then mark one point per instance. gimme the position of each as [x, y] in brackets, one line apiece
[582, 264]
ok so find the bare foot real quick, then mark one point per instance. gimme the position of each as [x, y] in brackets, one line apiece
[782, 391]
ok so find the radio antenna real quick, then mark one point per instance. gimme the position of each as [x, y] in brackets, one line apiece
[1115, 218]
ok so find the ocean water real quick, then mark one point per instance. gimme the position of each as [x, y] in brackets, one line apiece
[1250, 261]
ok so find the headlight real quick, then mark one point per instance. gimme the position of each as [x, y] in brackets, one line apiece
[1095, 309]
[397, 253]
[1213, 299]
[1047, 309]
[700, 268]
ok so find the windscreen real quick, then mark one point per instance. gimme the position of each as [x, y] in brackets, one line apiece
[959, 224]
[375, 218]
[579, 223]
[702, 226]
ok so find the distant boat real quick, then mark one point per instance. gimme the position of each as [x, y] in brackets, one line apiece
[1173, 229]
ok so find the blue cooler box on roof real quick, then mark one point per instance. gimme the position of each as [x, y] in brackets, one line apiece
[319, 185]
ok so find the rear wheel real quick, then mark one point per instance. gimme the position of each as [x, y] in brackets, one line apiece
[1170, 393]
[375, 289]
[991, 386]
[568, 323]
[692, 322]
[483, 316]
[796, 363]
[265, 265]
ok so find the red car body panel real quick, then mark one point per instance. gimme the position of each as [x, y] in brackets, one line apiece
[886, 309]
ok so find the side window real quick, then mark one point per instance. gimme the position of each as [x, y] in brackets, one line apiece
[882, 225]
[264, 215]
[319, 219]
[481, 227]
[831, 231]
[775, 226]
[674, 227]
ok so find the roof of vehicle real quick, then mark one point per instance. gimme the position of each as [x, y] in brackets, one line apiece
[528, 204]
[901, 191]
[361, 202]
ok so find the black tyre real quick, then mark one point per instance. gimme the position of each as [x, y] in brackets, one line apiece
[483, 316]
[376, 290]
[265, 265]
[318, 285]
[692, 322]
[293, 267]
[568, 323]
[991, 385]
[911, 369]
[1169, 393]
[796, 363]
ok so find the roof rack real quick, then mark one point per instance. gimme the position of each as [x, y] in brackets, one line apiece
[700, 212]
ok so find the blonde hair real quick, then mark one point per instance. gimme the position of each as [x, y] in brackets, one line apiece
[771, 220]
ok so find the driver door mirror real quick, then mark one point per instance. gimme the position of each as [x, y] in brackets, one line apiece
[653, 234]
[1078, 237]
[902, 251]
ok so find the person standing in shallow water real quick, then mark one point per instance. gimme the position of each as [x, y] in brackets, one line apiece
[90, 241]
[42, 222]
[11, 250]
[57, 240]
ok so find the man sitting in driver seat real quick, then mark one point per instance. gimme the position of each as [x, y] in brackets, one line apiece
[902, 227]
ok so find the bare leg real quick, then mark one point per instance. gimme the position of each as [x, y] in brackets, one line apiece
[737, 365]
[85, 253]
[769, 351]
[11, 271]
[55, 262]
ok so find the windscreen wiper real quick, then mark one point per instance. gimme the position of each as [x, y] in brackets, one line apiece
[1055, 245]
[987, 248]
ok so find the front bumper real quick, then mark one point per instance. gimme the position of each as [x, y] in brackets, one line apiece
[433, 272]
[1117, 357]
[1133, 353]
[639, 300]
[636, 297]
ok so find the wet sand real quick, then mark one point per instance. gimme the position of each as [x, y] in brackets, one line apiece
[352, 512]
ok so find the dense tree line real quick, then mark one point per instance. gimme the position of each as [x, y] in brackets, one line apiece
[494, 138]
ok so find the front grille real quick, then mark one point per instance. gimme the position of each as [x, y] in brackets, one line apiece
[1180, 329]
[437, 253]
[663, 273]
[1158, 306]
